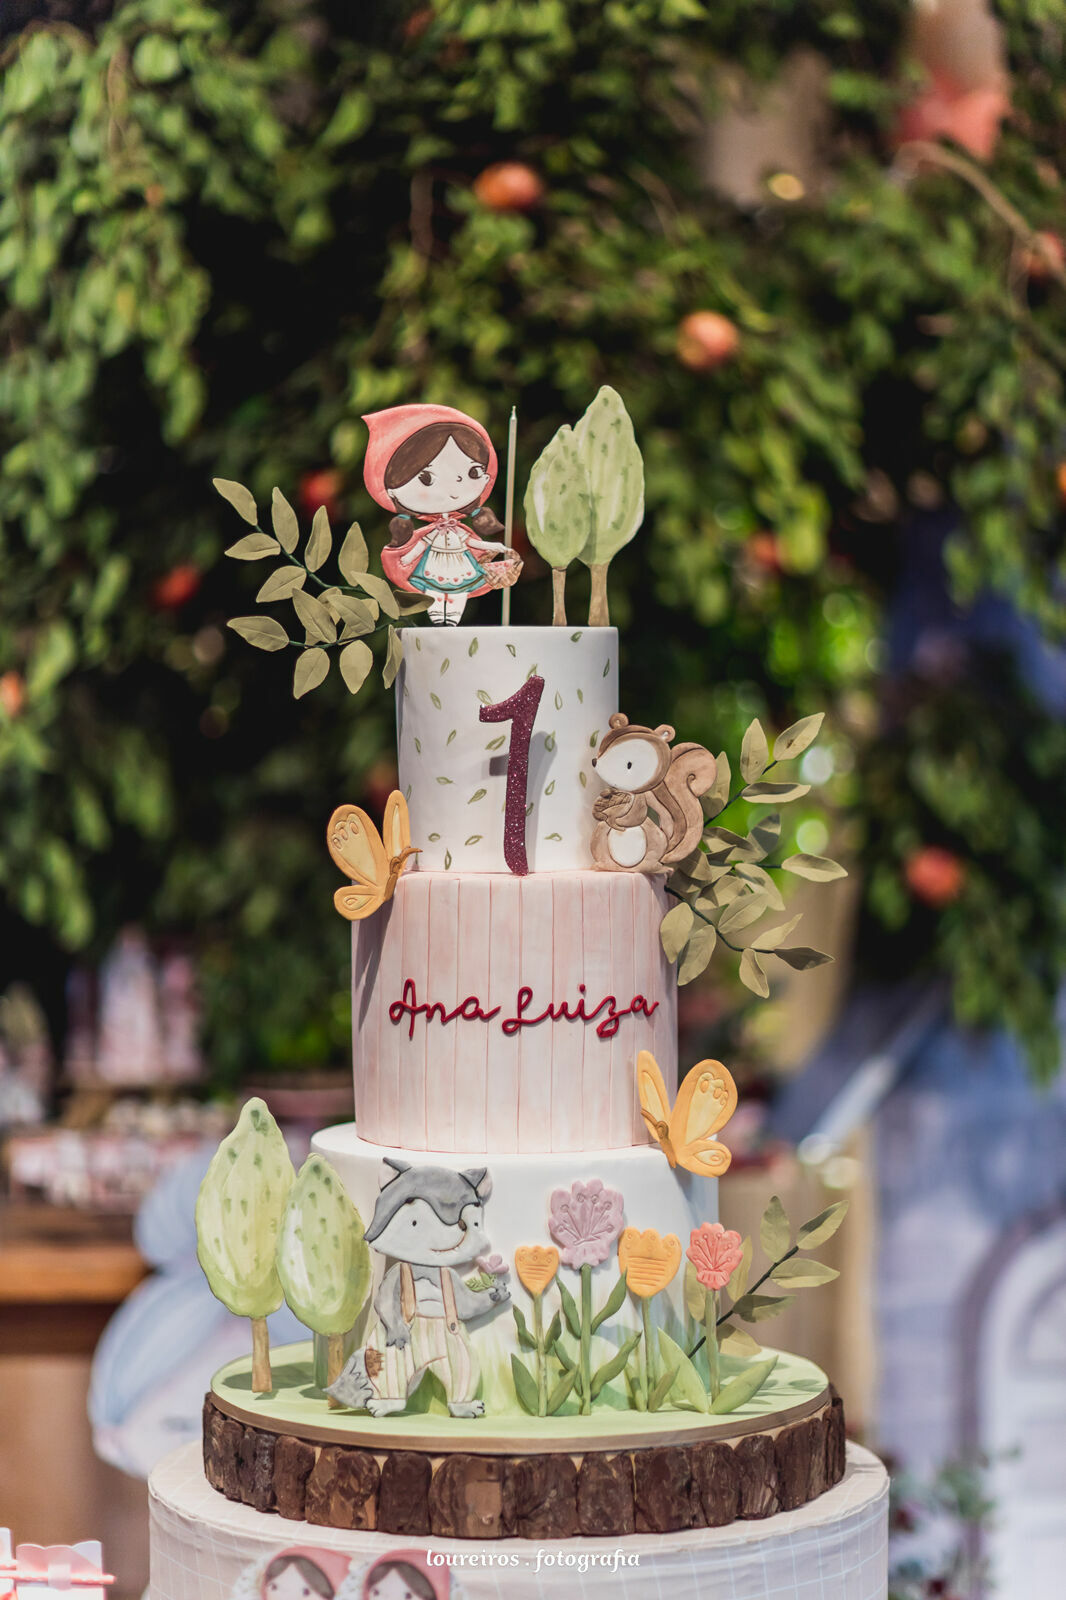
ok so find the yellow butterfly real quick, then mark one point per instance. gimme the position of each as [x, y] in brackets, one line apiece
[373, 860]
[705, 1102]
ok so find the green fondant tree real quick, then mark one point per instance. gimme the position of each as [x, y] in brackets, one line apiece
[323, 1259]
[238, 1217]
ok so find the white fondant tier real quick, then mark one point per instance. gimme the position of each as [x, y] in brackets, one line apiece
[204, 1547]
[655, 1196]
[453, 767]
[543, 989]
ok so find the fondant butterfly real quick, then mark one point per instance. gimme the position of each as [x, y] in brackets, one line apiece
[372, 860]
[705, 1102]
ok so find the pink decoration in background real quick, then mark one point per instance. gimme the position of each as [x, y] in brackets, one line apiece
[495, 1266]
[715, 1252]
[585, 1221]
[520, 710]
[46, 1571]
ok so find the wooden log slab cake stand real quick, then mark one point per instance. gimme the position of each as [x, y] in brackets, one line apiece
[704, 1476]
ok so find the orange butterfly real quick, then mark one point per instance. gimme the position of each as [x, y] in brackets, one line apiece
[372, 860]
[705, 1102]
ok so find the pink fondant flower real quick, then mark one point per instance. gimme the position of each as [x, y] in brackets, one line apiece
[585, 1221]
[715, 1253]
[494, 1266]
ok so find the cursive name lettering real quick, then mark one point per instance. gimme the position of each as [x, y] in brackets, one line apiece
[610, 1013]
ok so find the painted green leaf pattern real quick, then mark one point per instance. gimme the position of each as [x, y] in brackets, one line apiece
[475, 838]
[436, 700]
[478, 794]
[444, 780]
[473, 648]
[450, 737]
[497, 743]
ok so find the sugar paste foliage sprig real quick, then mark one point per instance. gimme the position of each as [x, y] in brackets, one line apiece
[329, 616]
[585, 499]
[726, 886]
[719, 1260]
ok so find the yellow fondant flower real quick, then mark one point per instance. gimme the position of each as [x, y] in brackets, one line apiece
[536, 1265]
[648, 1260]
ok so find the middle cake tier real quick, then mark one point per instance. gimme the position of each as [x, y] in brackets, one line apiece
[498, 1013]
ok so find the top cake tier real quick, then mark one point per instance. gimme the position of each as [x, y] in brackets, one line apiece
[453, 766]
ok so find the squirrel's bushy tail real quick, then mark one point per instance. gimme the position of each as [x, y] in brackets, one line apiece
[692, 772]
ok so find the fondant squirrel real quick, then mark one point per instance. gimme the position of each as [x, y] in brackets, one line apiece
[644, 771]
[429, 1220]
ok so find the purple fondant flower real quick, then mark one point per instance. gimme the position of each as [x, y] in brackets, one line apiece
[585, 1221]
[494, 1266]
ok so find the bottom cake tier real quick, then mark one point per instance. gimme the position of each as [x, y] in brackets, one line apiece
[205, 1547]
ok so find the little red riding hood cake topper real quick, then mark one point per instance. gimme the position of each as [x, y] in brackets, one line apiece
[433, 467]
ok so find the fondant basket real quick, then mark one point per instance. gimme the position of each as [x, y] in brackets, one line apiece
[502, 574]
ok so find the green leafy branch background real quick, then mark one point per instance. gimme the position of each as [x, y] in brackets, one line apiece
[226, 231]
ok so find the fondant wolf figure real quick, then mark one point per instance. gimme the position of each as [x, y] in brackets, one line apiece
[429, 1220]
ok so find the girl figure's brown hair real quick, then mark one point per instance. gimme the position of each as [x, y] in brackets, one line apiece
[311, 1574]
[416, 1581]
[424, 446]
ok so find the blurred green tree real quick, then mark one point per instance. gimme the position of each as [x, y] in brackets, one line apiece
[227, 230]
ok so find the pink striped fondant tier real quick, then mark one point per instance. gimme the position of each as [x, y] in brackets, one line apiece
[491, 1012]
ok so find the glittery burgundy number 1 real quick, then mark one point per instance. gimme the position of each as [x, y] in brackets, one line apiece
[520, 710]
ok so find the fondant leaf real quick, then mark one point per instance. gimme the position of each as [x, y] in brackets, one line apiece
[803, 1274]
[698, 953]
[746, 909]
[560, 1392]
[311, 668]
[284, 520]
[281, 583]
[265, 633]
[555, 1328]
[378, 590]
[393, 657]
[241, 499]
[775, 1233]
[687, 1388]
[525, 1338]
[525, 1387]
[822, 1227]
[717, 795]
[739, 1281]
[754, 752]
[819, 869]
[765, 794]
[611, 1304]
[320, 540]
[573, 1321]
[695, 1294]
[564, 1360]
[800, 958]
[353, 556]
[662, 1389]
[675, 928]
[752, 975]
[254, 547]
[737, 1341]
[739, 1390]
[614, 1366]
[356, 661]
[760, 1307]
[315, 617]
[770, 938]
[794, 740]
